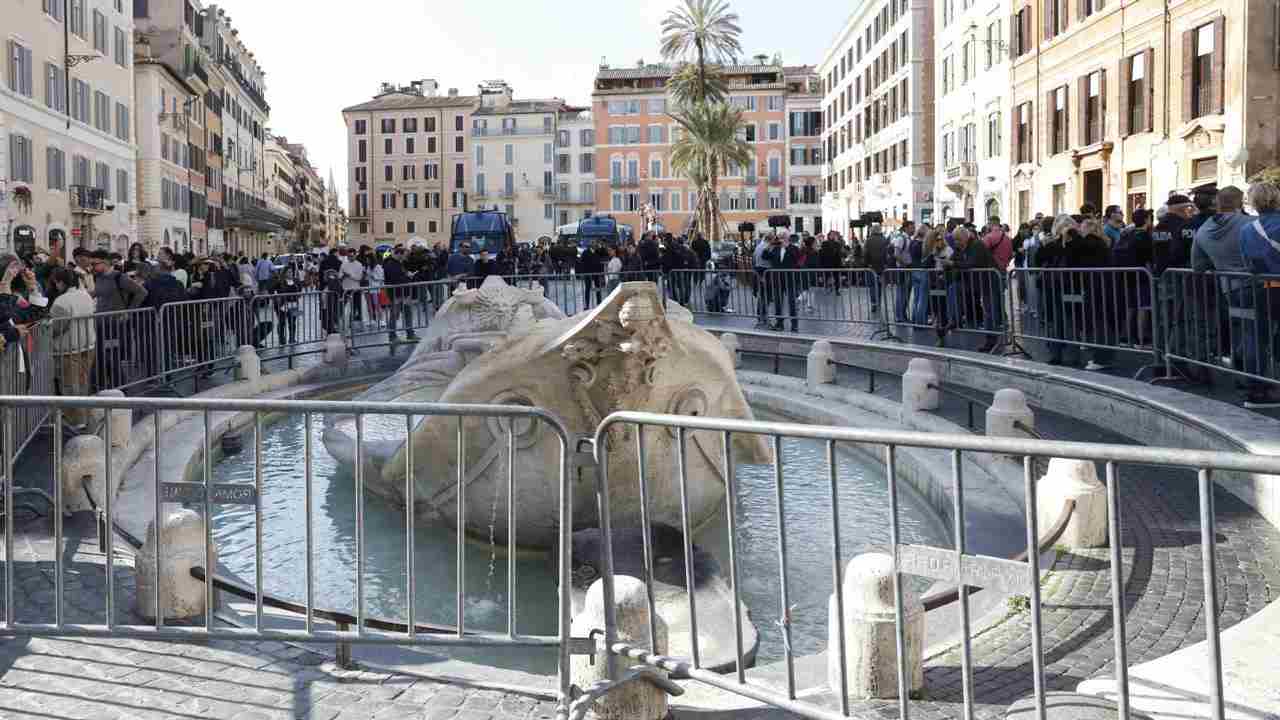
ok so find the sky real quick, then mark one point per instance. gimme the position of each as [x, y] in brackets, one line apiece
[319, 60]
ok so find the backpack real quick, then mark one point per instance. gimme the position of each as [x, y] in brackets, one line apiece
[332, 281]
[163, 293]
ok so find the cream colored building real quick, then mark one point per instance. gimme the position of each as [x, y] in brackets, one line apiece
[1123, 103]
[282, 186]
[166, 106]
[514, 158]
[575, 171]
[804, 150]
[66, 125]
[972, 111]
[408, 160]
[878, 102]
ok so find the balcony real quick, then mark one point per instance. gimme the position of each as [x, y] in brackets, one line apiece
[256, 219]
[480, 194]
[775, 181]
[197, 69]
[628, 182]
[549, 193]
[751, 181]
[87, 200]
[507, 194]
[961, 177]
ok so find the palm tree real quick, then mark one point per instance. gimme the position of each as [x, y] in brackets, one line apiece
[708, 143]
[700, 31]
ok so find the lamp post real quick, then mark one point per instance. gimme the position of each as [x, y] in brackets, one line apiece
[186, 121]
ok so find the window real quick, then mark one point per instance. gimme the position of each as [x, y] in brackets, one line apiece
[1023, 136]
[547, 213]
[431, 146]
[102, 178]
[99, 32]
[548, 153]
[77, 24]
[19, 69]
[1202, 71]
[121, 48]
[388, 125]
[774, 103]
[1089, 7]
[509, 184]
[410, 125]
[775, 131]
[101, 111]
[429, 124]
[616, 202]
[588, 138]
[457, 123]
[547, 188]
[509, 154]
[122, 186]
[431, 226]
[1135, 112]
[122, 121]
[55, 162]
[633, 135]
[431, 171]
[408, 146]
[656, 135]
[1204, 169]
[946, 75]
[387, 146]
[55, 93]
[1055, 18]
[480, 155]
[655, 168]
[411, 227]
[1093, 86]
[775, 201]
[658, 106]
[1058, 120]
[564, 163]
[1059, 199]
[362, 151]
[53, 8]
[80, 101]
[411, 201]
[410, 172]
[390, 227]
[457, 144]
[1022, 32]
[993, 136]
[675, 201]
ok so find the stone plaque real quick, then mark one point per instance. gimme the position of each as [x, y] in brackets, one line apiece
[181, 492]
[1011, 576]
[930, 562]
[228, 494]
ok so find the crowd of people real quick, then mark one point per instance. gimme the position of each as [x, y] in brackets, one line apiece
[918, 270]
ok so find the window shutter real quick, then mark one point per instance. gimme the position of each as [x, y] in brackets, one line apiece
[1015, 24]
[1149, 88]
[1126, 76]
[1049, 111]
[1218, 82]
[1102, 104]
[1082, 9]
[1188, 73]
[1099, 4]
[1048, 6]
[1082, 94]
[1064, 15]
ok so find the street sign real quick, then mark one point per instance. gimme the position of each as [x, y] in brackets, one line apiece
[1010, 576]
[220, 494]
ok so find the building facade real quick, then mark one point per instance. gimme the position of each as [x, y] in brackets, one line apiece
[215, 220]
[804, 150]
[1123, 104]
[973, 109]
[575, 172]
[878, 102]
[514, 158]
[309, 213]
[409, 163]
[66, 126]
[634, 135]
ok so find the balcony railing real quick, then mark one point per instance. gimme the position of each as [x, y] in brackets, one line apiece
[775, 180]
[88, 200]
[480, 194]
[962, 171]
[627, 182]
[549, 193]
[197, 69]
[507, 194]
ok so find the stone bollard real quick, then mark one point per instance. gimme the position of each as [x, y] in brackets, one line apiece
[121, 421]
[1073, 480]
[335, 350]
[730, 342]
[821, 370]
[182, 540]
[83, 456]
[920, 386]
[637, 700]
[1008, 410]
[250, 363]
[871, 651]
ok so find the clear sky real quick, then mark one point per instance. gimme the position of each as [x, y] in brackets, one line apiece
[321, 55]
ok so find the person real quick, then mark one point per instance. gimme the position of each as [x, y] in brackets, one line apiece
[288, 306]
[1133, 250]
[1114, 227]
[876, 254]
[981, 289]
[460, 265]
[263, 271]
[613, 270]
[832, 257]
[999, 243]
[782, 258]
[918, 260]
[807, 281]
[900, 244]
[1171, 238]
[702, 249]
[1260, 250]
[395, 275]
[651, 255]
[376, 298]
[716, 291]
[937, 257]
[353, 275]
[1100, 314]
[588, 268]
[113, 292]
[762, 264]
[73, 340]
[247, 273]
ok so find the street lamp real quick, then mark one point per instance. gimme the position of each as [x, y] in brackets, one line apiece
[185, 116]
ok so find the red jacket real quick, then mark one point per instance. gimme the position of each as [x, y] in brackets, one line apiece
[1001, 247]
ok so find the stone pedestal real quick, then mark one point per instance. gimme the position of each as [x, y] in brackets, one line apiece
[820, 369]
[83, 456]
[121, 421]
[182, 543]
[639, 700]
[335, 350]
[250, 363]
[871, 653]
[1073, 480]
[730, 342]
[920, 386]
[1008, 410]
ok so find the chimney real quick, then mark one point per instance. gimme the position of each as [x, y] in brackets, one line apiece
[430, 88]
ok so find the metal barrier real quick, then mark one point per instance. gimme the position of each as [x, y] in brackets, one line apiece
[953, 300]
[578, 292]
[946, 564]
[779, 298]
[1224, 321]
[285, 322]
[118, 350]
[204, 495]
[1101, 309]
[368, 313]
[26, 368]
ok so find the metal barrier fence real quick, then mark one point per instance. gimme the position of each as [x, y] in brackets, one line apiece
[780, 297]
[26, 368]
[284, 322]
[205, 494]
[1101, 309]
[578, 292]
[1226, 321]
[953, 564]
[369, 313]
[968, 301]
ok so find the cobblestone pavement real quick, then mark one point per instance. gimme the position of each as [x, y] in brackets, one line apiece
[101, 679]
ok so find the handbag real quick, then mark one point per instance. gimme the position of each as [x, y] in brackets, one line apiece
[384, 300]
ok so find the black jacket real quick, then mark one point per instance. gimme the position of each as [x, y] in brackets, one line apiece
[1171, 242]
[702, 248]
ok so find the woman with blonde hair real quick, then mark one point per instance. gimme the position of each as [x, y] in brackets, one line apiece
[937, 253]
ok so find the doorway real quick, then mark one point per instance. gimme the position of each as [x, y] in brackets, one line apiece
[1093, 189]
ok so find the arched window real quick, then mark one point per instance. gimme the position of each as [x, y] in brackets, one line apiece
[993, 208]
